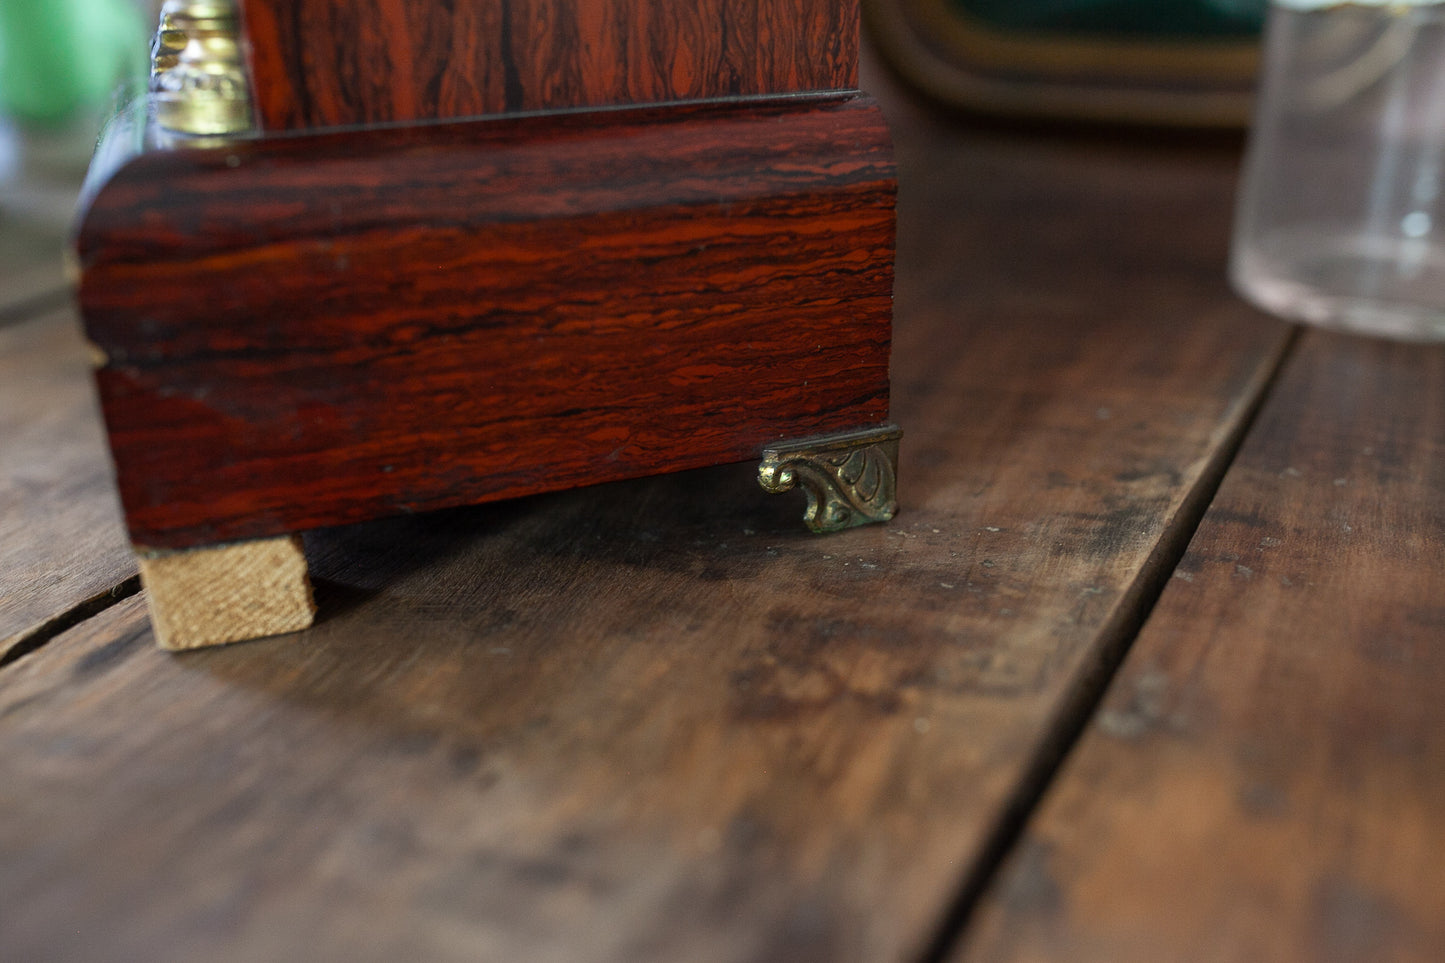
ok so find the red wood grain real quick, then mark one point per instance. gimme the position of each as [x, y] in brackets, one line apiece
[327, 63]
[314, 330]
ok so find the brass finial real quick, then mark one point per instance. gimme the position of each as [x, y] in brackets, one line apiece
[198, 75]
[166, 51]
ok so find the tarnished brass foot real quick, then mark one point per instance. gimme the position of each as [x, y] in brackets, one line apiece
[850, 479]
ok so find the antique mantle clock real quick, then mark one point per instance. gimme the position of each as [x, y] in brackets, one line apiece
[351, 258]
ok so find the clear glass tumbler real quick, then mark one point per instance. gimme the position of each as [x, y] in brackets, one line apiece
[1341, 218]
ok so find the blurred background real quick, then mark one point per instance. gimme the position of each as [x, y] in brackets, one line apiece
[1175, 62]
[61, 64]
[1189, 63]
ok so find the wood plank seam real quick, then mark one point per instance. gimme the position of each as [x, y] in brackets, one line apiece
[1263, 778]
[1117, 636]
[36, 637]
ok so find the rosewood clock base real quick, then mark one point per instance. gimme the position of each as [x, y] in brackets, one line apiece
[244, 590]
[312, 330]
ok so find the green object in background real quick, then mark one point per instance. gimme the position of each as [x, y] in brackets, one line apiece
[62, 58]
[1152, 19]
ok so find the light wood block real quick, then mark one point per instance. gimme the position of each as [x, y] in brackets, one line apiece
[211, 596]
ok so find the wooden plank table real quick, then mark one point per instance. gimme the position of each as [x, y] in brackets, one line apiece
[1266, 777]
[657, 720]
[63, 550]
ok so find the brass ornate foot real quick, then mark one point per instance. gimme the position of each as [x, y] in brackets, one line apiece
[850, 479]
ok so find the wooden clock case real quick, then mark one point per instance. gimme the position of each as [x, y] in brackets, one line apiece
[478, 250]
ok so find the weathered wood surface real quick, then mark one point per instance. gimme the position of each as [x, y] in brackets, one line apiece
[1265, 780]
[420, 318]
[331, 63]
[654, 719]
[32, 274]
[62, 542]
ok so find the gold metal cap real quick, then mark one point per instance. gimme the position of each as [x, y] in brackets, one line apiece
[198, 79]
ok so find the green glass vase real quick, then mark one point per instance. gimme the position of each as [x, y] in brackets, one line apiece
[61, 59]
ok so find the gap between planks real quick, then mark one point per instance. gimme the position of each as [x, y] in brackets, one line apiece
[1117, 636]
[37, 636]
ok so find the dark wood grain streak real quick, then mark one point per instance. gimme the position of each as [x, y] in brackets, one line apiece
[313, 331]
[329, 63]
[1265, 778]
